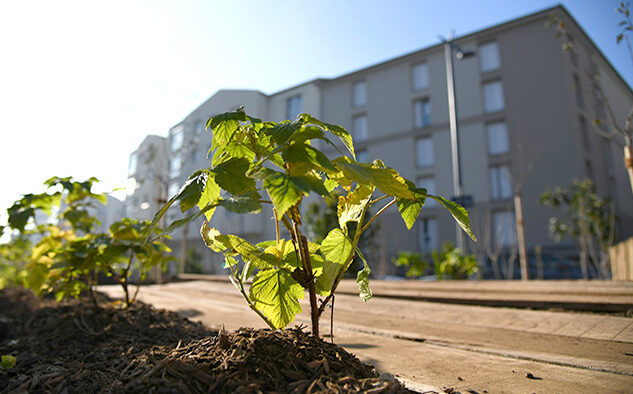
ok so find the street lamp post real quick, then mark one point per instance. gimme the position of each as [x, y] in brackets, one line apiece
[458, 191]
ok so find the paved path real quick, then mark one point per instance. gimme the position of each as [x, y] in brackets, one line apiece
[434, 345]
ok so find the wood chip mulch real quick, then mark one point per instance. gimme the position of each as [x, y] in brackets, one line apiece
[69, 347]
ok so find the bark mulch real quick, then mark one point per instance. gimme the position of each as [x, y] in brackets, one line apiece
[69, 347]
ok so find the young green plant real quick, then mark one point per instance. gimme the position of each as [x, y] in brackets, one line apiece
[251, 158]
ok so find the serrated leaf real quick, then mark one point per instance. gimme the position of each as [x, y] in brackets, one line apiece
[336, 247]
[282, 132]
[410, 209]
[285, 191]
[280, 249]
[459, 213]
[300, 153]
[231, 176]
[276, 294]
[337, 130]
[351, 206]
[190, 193]
[209, 195]
[234, 245]
[386, 180]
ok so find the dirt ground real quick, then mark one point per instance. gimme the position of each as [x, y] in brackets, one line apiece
[69, 347]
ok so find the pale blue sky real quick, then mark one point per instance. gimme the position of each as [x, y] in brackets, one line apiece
[82, 83]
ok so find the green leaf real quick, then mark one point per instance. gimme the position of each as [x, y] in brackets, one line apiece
[8, 361]
[459, 213]
[410, 209]
[285, 191]
[280, 133]
[362, 278]
[276, 294]
[231, 176]
[232, 244]
[338, 131]
[351, 207]
[300, 153]
[386, 179]
[246, 203]
[336, 247]
[229, 262]
[210, 194]
[191, 192]
[326, 279]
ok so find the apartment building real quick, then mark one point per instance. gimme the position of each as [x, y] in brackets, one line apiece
[147, 178]
[524, 109]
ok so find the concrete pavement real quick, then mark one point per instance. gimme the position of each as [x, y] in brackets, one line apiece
[433, 345]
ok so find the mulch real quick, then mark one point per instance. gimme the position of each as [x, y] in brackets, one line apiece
[69, 347]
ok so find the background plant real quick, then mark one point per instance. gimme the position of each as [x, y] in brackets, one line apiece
[69, 256]
[453, 263]
[417, 265]
[586, 217]
[251, 157]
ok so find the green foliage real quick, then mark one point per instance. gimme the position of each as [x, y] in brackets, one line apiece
[250, 158]
[14, 257]
[68, 256]
[417, 265]
[453, 263]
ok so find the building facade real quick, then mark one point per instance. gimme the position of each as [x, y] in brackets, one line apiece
[525, 109]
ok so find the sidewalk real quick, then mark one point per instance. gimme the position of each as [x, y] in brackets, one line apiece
[589, 296]
[433, 345]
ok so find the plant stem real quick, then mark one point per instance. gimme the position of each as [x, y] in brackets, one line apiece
[276, 224]
[378, 199]
[304, 252]
[383, 209]
[248, 300]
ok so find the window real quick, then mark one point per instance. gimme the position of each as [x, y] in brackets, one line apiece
[176, 139]
[174, 166]
[293, 107]
[583, 132]
[360, 94]
[195, 156]
[427, 183]
[500, 182]
[489, 57]
[360, 128]
[172, 189]
[199, 128]
[362, 156]
[420, 76]
[493, 96]
[428, 235]
[504, 227]
[132, 164]
[580, 100]
[424, 152]
[497, 138]
[422, 111]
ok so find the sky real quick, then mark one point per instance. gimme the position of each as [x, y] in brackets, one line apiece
[83, 82]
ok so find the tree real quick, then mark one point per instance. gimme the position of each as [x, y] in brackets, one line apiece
[589, 219]
[606, 122]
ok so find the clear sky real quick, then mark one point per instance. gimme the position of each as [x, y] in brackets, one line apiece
[83, 82]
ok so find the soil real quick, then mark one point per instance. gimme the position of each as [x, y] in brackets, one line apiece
[69, 347]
